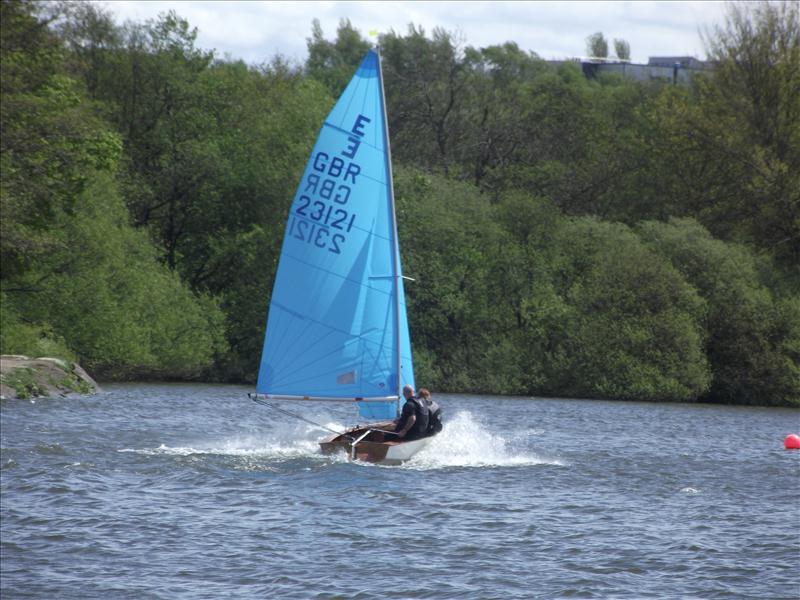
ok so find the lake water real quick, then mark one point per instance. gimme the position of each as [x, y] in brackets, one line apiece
[186, 491]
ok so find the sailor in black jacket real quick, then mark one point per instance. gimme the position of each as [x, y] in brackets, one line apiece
[413, 421]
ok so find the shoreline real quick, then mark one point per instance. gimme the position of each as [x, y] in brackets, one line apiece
[22, 377]
[533, 397]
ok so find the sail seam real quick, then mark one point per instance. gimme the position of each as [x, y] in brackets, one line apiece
[366, 143]
[287, 355]
[286, 330]
[329, 272]
[380, 345]
[359, 81]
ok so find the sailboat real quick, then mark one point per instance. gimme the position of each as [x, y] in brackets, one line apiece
[337, 328]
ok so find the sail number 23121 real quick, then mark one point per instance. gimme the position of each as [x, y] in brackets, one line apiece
[319, 215]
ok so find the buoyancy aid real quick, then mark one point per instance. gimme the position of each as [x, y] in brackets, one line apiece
[422, 414]
[434, 417]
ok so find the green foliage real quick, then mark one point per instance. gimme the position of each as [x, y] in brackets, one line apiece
[102, 290]
[597, 45]
[263, 130]
[603, 315]
[752, 336]
[426, 88]
[76, 278]
[635, 327]
[457, 318]
[214, 149]
[622, 49]
[28, 339]
[28, 383]
[333, 63]
[51, 141]
[564, 306]
[735, 142]
[144, 187]
[24, 383]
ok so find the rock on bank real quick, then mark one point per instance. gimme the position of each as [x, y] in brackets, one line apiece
[23, 377]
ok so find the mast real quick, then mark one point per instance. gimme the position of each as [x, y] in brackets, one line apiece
[396, 261]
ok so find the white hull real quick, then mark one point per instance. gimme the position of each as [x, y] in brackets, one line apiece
[368, 445]
[403, 452]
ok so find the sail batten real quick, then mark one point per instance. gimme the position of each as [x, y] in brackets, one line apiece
[337, 325]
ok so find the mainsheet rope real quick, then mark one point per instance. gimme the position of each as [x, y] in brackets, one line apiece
[262, 402]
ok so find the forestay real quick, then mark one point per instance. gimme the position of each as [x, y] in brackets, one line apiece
[338, 300]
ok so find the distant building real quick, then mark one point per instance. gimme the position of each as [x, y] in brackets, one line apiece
[676, 69]
[685, 62]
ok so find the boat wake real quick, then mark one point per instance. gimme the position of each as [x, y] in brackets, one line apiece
[245, 446]
[464, 442]
[284, 443]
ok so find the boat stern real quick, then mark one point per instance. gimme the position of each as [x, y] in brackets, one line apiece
[367, 445]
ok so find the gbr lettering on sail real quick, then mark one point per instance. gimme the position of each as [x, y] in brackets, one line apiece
[320, 215]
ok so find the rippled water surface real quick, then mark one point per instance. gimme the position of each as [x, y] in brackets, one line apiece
[173, 491]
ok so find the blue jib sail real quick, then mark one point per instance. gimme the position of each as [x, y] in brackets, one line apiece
[333, 317]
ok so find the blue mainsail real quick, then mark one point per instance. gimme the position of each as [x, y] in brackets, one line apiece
[337, 326]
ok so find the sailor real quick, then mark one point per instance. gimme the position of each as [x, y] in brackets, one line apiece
[413, 421]
[434, 411]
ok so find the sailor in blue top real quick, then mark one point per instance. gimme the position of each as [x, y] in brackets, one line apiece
[413, 421]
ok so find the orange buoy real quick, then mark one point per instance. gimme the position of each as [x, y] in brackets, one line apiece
[792, 442]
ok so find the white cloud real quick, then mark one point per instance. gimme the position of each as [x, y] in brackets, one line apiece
[256, 31]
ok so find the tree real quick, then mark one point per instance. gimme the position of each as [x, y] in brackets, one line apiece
[213, 151]
[92, 38]
[52, 140]
[733, 144]
[103, 291]
[596, 45]
[76, 278]
[426, 88]
[622, 49]
[459, 318]
[520, 190]
[750, 111]
[752, 336]
[499, 86]
[333, 63]
[627, 326]
[165, 124]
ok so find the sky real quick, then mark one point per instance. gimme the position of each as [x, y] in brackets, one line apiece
[257, 31]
